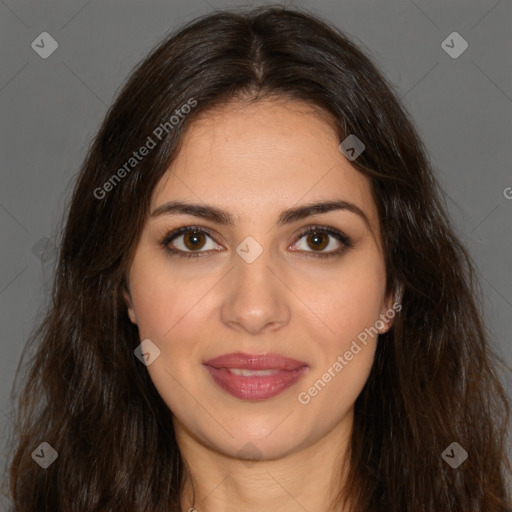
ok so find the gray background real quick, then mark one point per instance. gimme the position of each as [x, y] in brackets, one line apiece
[50, 109]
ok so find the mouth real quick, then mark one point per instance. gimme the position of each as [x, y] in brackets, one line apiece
[255, 377]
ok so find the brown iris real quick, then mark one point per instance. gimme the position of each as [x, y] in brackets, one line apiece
[195, 240]
[316, 238]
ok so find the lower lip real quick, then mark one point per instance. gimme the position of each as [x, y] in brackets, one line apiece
[255, 387]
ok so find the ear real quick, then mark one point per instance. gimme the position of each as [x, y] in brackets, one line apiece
[129, 303]
[390, 308]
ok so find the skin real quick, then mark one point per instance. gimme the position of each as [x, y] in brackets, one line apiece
[255, 161]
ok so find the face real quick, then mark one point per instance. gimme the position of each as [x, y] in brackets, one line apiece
[287, 290]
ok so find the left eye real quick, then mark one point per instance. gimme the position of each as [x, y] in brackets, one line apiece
[315, 237]
[318, 238]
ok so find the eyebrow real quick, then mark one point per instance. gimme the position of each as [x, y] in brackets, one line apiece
[223, 217]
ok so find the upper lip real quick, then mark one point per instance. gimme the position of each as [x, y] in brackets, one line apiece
[255, 362]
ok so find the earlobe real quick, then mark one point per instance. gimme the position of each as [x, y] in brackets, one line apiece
[389, 311]
[384, 323]
[129, 303]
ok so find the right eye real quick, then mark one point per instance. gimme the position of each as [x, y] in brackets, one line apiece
[193, 239]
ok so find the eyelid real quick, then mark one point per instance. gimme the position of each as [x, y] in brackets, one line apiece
[175, 233]
[333, 232]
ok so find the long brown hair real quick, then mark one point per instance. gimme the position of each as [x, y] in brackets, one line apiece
[435, 376]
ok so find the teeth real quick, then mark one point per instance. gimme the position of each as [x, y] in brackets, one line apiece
[252, 373]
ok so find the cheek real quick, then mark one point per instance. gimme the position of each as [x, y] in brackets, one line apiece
[350, 302]
[346, 341]
[345, 347]
[162, 298]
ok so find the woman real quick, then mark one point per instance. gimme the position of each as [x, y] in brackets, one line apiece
[260, 303]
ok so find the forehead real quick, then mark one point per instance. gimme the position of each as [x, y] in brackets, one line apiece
[260, 158]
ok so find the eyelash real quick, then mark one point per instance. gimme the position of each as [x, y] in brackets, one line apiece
[338, 235]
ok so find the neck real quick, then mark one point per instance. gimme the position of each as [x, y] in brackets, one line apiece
[309, 478]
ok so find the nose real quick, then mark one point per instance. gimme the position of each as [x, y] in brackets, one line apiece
[256, 298]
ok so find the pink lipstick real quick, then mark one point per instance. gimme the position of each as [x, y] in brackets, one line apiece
[253, 376]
